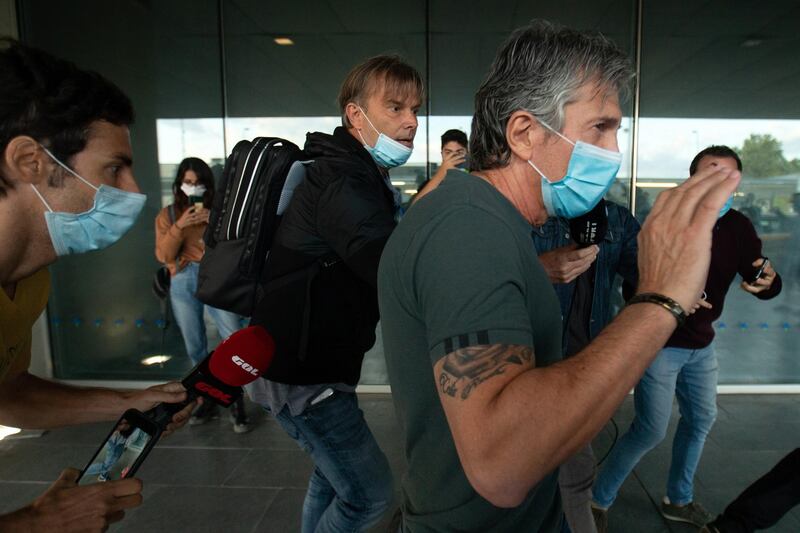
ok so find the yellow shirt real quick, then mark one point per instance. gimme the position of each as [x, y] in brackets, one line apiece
[16, 320]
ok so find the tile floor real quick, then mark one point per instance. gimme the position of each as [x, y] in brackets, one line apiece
[208, 479]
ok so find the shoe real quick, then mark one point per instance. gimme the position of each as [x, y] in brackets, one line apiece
[711, 527]
[241, 424]
[600, 519]
[692, 513]
[203, 413]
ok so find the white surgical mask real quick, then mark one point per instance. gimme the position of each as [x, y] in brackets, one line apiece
[193, 190]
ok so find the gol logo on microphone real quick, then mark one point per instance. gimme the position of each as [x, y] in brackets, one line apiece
[214, 392]
[245, 365]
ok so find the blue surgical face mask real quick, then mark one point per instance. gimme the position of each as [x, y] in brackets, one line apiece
[590, 173]
[112, 215]
[387, 152]
[726, 207]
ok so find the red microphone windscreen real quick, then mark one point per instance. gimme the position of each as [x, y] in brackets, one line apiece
[243, 357]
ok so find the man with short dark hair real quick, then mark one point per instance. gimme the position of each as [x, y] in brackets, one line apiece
[66, 187]
[687, 367]
[454, 155]
[321, 305]
[471, 324]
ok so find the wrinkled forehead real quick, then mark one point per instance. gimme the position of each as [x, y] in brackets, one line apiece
[392, 88]
[606, 95]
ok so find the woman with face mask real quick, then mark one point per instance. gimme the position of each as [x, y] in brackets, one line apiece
[180, 247]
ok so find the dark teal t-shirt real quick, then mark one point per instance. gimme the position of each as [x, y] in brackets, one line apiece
[460, 271]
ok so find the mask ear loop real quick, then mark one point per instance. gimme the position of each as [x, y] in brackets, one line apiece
[371, 125]
[368, 120]
[41, 198]
[65, 167]
[556, 132]
[362, 138]
[539, 171]
[546, 125]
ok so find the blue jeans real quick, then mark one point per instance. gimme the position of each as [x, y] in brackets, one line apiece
[351, 486]
[188, 312]
[691, 375]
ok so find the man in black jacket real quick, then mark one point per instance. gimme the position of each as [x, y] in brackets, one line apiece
[321, 302]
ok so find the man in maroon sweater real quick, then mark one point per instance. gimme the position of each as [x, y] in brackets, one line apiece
[687, 367]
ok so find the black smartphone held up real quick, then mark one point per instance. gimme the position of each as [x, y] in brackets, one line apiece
[760, 270]
[124, 450]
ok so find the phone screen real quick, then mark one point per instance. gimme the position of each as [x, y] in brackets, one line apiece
[119, 453]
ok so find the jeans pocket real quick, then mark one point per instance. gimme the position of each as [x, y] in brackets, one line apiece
[286, 420]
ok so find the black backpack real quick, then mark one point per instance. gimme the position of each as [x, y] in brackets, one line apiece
[256, 187]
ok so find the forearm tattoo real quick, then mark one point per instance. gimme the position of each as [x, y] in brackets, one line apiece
[466, 368]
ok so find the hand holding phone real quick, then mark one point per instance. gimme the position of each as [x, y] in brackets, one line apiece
[760, 271]
[197, 202]
[123, 450]
[65, 507]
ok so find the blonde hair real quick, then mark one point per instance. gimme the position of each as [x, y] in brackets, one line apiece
[399, 79]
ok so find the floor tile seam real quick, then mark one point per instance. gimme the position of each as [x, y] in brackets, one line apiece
[268, 487]
[154, 486]
[241, 461]
[30, 444]
[215, 448]
[653, 500]
[264, 513]
[725, 446]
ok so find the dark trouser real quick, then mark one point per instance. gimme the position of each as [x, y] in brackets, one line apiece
[764, 502]
[575, 478]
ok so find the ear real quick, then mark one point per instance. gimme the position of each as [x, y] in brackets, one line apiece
[24, 161]
[524, 134]
[354, 115]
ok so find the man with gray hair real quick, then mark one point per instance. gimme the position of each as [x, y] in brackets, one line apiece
[471, 324]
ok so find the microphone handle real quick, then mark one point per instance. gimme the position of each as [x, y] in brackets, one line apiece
[162, 413]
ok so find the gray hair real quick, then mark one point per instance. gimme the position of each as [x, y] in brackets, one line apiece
[540, 69]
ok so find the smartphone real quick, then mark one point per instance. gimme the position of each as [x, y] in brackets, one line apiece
[760, 270]
[197, 201]
[124, 450]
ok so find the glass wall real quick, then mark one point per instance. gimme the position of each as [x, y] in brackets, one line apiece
[206, 73]
[727, 73]
[105, 323]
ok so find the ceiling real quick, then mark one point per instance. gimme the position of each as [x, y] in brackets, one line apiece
[702, 58]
